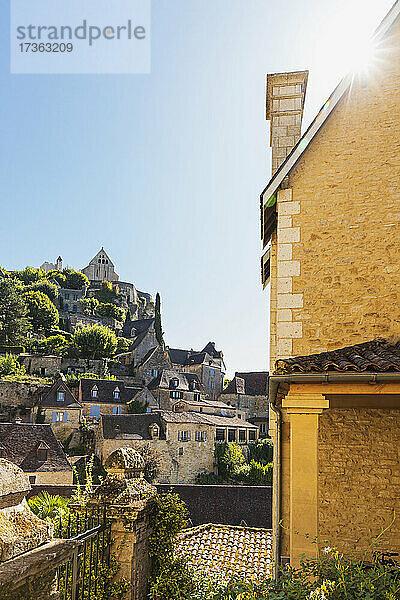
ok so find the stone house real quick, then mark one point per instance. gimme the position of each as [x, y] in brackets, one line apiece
[104, 396]
[330, 226]
[60, 408]
[101, 268]
[36, 450]
[169, 386]
[206, 406]
[248, 392]
[36, 364]
[208, 365]
[185, 440]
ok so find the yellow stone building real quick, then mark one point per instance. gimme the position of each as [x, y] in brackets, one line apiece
[330, 228]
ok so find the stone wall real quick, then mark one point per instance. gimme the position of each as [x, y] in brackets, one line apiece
[159, 361]
[16, 399]
[227, 504]
[52, 477]
[335, 272]
[181, 461]
[40, 365]
[359, 478]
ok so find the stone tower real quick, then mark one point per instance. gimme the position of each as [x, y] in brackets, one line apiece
[101, 268]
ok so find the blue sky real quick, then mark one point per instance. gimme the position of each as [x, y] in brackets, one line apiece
[165, 170]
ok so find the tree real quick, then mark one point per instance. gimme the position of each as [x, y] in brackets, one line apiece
[123, 345]
[106, 294]
[30, 275]
[128, 315]
[14, 322]
[75, 280]
[42, 311]
[57, 276]
[111, 311]
[157, 321]
[10, 366]
[46, 287]
[55, 344]
[136, 407]
[95, 341]
[88, 306]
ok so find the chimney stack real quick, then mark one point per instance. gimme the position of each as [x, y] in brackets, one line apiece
[285, 103]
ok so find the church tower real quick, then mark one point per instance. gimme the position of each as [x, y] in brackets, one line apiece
[101, 268]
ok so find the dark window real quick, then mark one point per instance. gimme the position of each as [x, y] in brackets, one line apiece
[60, 396]
[242, 436]
[180, 452]
[231, 435]
[252, 435]
[220, 435]
[42, 454]
[196, 397]
[32, 479]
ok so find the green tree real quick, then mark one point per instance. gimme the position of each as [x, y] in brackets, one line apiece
[95, 341]
[57, 276]
[14, 322]
[262, 451]
[46, 287]
[75, 280]
[136, 407]
[123, 345]
[30, 275]
[128, 315]
[106, 294]
[157, 321]
[88, 306]
[55, 344]
[42, 311]
[111, 311]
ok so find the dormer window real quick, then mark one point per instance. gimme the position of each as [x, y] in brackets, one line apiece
[116, 394]
[193, 384]
[154, 372]
[154, 431]
[95, 392]
[175, 383]
[60, 396]
[42, 452]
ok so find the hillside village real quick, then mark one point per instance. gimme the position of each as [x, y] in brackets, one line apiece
[88, 358]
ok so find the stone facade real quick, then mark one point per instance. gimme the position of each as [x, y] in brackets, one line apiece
[40, 365]
[17, 399]
[149, 368]
[359, 468]
[328, 289]
[101, 268]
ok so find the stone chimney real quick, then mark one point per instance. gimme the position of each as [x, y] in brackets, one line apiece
[285, 103]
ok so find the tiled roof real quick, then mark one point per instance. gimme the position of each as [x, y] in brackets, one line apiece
[140, 326]
[130, 426]
[210, 349]
[376, 356]
[49, 396]
[178, 356]
[204, 419]
[255, 384]
[194, 357]
[165, 378]
[20, 442]
[105, 394]
[227, 549]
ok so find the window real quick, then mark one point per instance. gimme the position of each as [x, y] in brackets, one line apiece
[95, 411]
[183, 436]
[180, 451]
[242, 436]
[154, 372]
[95, 392]
[154, 431]
[42, 452]
[220, 435]
[148, 409]
[196, 397]
[117, 410]
[176, 395]
[263, 428]
[223, 412]
[212, 372]
[252, 435]
[175, 382]
[60, 396]
[74, 308]
[116, 394]
[66, 296]
[201, 436]
[231, 435]
[43, 370]
[32, 479]
[59, 417]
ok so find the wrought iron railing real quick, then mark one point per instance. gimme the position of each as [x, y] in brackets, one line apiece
[85, 572]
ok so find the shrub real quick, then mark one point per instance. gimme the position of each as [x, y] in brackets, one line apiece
[106, 294]
[123, 345]
[10, 366]
[46, 287]
[262, 451]
[55, 344]
[88, 306]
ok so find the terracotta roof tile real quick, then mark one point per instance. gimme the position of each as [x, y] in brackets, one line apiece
[376, 356]
[227, 549]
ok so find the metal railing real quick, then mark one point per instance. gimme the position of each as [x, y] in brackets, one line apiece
[85, 572]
